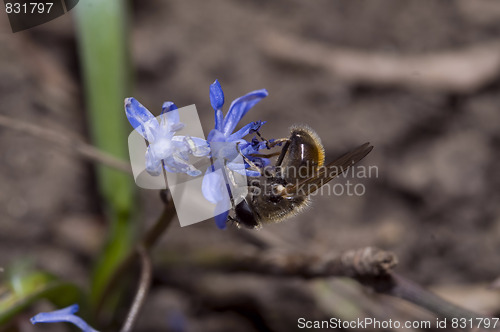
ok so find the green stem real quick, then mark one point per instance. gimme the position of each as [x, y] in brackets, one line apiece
[104, 57]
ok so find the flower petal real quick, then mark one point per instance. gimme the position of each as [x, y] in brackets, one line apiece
[153, 163]
[236, 165]
[216, 136]
[253, 173]
[242, 169]
[216, 95]
[248, 129]
[193, 172]
[217, 101]
[216, 191]
[63, 315]
[141, 118]
[168, 106]
[178, 164]
[219, 119]
[170, 117]
[239, 107]
[221, 212]
[197, 146]
[212, 186]
[224, 151]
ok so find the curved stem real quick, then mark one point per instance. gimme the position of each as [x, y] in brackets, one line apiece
[142, 289]
[147, 242]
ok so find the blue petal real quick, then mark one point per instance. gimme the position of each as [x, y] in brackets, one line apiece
[63, 315]
[221, 218]
[248, 149]
[140, 118]
[242, 169]
[194, 172]
[216, 96]
[216, 136]
[170, 117]
[224, 151]
[260, 161]
[198, 146]
[168, 106]
[249, 172]
[248, 129]
[180, 165]
[235, 165]
[221, 212]
[219, 119]
[239, 107]
[212, 186]
[153, 163]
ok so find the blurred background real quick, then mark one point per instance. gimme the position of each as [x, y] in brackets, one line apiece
[419, 79]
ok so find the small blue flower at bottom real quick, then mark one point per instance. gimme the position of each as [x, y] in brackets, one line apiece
[227, 146]
[63, 315]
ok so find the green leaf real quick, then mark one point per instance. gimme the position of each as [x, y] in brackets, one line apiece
[23, 288]
[104, 56]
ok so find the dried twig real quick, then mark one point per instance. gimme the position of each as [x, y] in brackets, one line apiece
[369, 266]
[142, 289]
[68, 142]
[147, 241]
[368, 261]
[459, 71]
[395, 285]
[363, 262]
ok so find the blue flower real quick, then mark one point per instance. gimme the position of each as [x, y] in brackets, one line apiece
[63, 315]
[226, 146]
[164, 147]
[251, 149]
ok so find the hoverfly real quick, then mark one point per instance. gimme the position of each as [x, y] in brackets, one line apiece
[282, 191]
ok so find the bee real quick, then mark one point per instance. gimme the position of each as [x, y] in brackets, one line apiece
[283, 190]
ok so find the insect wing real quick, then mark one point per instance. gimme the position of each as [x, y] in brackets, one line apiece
[328, 172]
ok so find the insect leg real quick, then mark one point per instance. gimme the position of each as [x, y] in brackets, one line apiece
[248, 161]
[283, 153]
[269, 144]
[265, 155]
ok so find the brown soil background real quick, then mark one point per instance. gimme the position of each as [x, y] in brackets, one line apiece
[434, 203]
